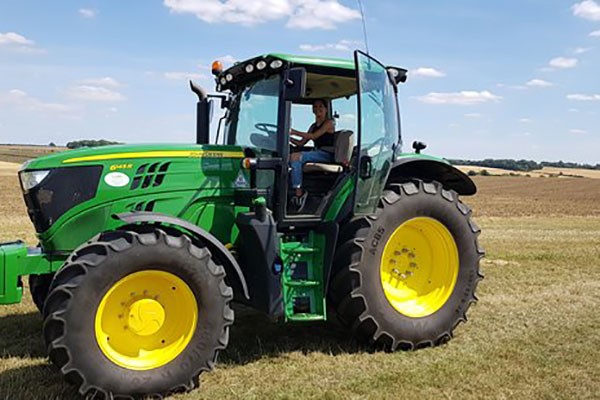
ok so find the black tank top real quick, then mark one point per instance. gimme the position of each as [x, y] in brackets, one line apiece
[325, 139]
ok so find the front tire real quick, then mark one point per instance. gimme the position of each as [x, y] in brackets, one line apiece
[405, 277]
[132, 314]
[39, 285]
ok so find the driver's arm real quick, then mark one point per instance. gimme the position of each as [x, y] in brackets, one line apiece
[326, 127]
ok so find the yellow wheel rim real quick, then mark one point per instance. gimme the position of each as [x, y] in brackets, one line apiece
[419, 267]
[146, 320]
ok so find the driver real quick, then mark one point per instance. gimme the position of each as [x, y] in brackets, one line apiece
[321, 133]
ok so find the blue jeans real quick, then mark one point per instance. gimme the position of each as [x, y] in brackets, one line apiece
[317, 156]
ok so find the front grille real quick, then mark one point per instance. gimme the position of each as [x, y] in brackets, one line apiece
[63, 189]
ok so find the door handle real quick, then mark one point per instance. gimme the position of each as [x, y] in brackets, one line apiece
[366, 167]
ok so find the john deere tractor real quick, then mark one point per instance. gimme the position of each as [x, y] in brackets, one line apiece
[142, 248]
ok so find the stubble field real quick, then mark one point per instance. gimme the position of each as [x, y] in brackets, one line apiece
[535, 334]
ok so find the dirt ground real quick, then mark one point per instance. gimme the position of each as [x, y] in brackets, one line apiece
[512, 196]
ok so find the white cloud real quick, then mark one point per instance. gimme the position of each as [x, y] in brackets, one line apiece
[573, 110]
[106, 81]
[563, 63]
[525, 120]
[87, 12]
[19, 43]
[460, 98]
[584, 97]
[179, 76]
[20, 99]
[587, 9]
[473, 115]
[12, 38]
[581, 50]
[539, 83]
[426, 72]
[320, 14]
[95, 93]
[342, 45]
[577, 131]
[302, 14]
[526, 133]
[595, 33]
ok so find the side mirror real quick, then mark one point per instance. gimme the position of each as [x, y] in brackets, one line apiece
[418, 146]
[295, 84]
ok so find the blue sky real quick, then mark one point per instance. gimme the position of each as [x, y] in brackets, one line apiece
[502, 79]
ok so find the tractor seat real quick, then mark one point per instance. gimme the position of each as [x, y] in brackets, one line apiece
[343, 144]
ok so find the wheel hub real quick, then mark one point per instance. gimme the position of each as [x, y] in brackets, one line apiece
[146, 317]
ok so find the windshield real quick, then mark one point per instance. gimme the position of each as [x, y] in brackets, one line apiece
[252, 120]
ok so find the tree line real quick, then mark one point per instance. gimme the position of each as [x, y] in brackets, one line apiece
[522, 165]
[88, 143]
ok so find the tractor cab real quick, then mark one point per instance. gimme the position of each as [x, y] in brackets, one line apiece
[269, 95]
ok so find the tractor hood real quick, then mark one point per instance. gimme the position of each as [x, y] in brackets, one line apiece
[77, 190]
[115, 154]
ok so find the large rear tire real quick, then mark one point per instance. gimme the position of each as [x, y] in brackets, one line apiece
[131, 315]
[405, 277]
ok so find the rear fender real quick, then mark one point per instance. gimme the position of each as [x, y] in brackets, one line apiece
[428, 168]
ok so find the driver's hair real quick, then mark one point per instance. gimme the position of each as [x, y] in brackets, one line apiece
[323, 101]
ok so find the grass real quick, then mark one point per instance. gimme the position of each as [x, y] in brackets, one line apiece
[535, 334]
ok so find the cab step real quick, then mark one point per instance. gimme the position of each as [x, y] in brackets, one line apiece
[302, 278]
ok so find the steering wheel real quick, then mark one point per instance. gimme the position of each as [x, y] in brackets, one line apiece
[269, 129]
[268, 141]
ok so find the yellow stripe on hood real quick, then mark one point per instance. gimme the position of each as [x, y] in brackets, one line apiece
[160, 154]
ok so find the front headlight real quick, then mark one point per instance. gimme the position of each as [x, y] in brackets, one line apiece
[30, 179]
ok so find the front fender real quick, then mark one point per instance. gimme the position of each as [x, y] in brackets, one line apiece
[429, 168]
[217, 248]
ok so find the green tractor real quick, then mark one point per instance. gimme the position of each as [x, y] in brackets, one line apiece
[144, 247]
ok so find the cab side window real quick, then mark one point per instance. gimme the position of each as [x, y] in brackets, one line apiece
[346, 113]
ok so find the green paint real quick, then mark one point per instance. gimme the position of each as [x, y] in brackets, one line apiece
[340, 199]
[318, 61]
[17, 260]
[422, 157]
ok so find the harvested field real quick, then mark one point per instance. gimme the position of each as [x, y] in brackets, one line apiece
[546, 172]
[533, 335]
[22, 153]
[505, 196]
[8, 168]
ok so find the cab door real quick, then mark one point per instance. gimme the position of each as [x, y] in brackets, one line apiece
[379, 131]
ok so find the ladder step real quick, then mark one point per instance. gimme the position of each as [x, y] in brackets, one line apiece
[306, 317]
[300, 250]
[302, 283]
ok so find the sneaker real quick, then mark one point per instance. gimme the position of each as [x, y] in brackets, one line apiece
[301, 201]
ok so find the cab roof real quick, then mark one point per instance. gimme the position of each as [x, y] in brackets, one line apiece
[317, 61]
[243, 72]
